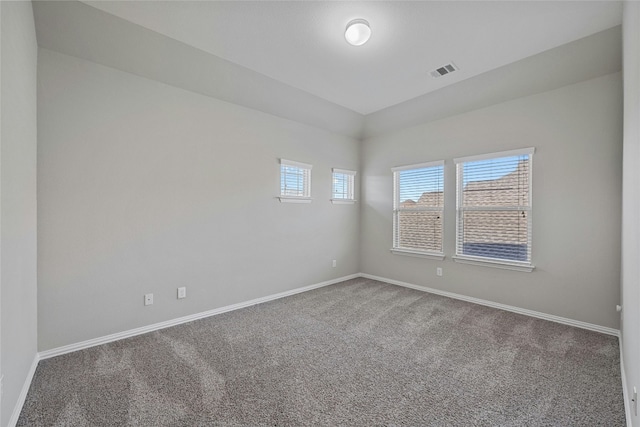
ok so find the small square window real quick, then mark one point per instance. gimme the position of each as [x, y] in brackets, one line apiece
[343, 186]
[295, 182]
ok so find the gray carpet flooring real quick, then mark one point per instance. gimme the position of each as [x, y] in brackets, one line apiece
[361, 353]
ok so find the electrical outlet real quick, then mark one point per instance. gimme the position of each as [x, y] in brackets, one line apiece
[148, 299]
[334, 263]
[634, 402]
[439, 271]
[182, 292]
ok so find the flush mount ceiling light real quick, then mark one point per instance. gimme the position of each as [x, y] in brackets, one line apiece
[357, 32]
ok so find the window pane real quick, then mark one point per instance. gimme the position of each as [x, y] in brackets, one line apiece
[496, 182]
[420, 230]
[419, 203]
[496, 234]
[294, 181]
[421, 187]
[343, 186]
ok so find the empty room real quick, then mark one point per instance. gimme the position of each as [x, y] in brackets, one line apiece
[301, 213]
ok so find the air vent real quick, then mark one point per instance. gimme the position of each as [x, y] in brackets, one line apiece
[444, 70]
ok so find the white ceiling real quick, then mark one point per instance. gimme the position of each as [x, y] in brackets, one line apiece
[301, 43]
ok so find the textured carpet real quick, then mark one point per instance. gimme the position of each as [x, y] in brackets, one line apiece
[357, 353]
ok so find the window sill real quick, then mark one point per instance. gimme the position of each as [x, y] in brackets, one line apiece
[343, 201]
[284, 199]
[418, 254]
[505, 265]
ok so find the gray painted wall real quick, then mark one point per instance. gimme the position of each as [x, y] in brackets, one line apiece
[17, 200]
[630, 327]
[144, 187]
[576, 191]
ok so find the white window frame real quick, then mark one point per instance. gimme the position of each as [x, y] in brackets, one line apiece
[305, 169]
[398, 250]
[526, 266]
[351, 186]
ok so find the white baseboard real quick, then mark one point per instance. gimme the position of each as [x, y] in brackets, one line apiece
[173, 322]
[531, 313]
[157, 326]
[23, 393]
[625, 390]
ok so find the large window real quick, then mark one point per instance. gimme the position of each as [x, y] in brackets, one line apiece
[418, 209]
[493, 224]
[295, 181]
[343, 189]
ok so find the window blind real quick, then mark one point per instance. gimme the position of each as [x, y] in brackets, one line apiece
[419, 207]
[295, 179]
[494, 206]
[343, 184]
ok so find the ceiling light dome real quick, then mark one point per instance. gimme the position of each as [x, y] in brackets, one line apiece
[357, 32]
